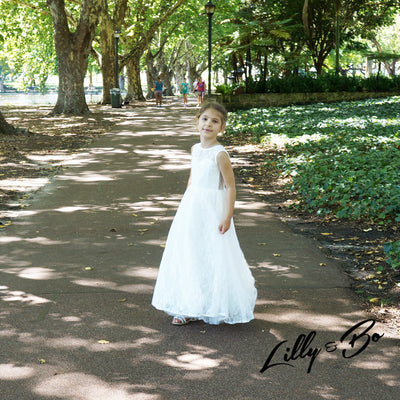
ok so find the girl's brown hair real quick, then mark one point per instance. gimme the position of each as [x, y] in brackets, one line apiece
[215, 106]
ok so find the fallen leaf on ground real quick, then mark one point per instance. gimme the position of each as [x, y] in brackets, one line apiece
[374, 300]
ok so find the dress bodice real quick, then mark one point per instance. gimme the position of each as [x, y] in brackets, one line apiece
[205, 172]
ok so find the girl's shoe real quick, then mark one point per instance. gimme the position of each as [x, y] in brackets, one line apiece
[178, 320]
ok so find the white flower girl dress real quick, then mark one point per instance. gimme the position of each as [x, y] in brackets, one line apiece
[203, 274]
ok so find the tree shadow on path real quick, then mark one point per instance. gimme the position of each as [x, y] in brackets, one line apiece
[78, 267]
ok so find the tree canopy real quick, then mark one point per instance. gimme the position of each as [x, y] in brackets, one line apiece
[255, 37]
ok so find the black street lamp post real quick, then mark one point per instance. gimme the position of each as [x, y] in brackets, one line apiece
[116, 35]
[210, 8]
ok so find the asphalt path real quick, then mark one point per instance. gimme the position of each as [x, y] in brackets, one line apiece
[78, 267]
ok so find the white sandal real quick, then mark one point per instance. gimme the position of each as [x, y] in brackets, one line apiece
[178, 320]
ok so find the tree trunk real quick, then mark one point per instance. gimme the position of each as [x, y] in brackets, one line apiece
[318, 64]
[72, 50]
[5, 127]
[107, 48]
[151, 74]
[166, 76]
[71, 74]
[192, 74]
[134, 83]
[108, 25]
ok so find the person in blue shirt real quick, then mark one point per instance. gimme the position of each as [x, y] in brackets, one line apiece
[158, 91]
[185, 91]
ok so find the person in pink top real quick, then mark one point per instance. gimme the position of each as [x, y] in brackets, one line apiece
[200, 88]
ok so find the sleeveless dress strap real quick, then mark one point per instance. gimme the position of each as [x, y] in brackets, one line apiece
[219, 149]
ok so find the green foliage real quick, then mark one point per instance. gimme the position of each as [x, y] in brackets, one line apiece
[381, 83]
[27, 42]
[343, 159]
[392, 251]
[228, 89]
[324, 83]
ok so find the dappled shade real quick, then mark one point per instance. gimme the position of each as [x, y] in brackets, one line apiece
[78, 271]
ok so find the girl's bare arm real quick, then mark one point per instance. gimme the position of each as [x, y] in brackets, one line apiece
[225, 167]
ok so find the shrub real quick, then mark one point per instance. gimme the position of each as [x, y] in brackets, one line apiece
[310, 83]
[392, 251]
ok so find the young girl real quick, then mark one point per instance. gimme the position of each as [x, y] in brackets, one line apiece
[203, 273]
[201, 88]
[185, 91]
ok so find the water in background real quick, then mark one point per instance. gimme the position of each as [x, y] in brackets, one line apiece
[49, 99]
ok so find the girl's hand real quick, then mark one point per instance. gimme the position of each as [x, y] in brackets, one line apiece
[224, 226]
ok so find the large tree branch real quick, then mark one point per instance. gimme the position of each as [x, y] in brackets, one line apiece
[143, 42]
[88, 20]
[121, 7]
[60, 22]
[34, 7]
[379, 49]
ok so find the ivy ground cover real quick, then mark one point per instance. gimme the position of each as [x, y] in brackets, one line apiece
[343, 158]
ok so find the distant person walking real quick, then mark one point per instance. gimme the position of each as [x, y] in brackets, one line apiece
[200, 88]
[158, 91]
[185, 91]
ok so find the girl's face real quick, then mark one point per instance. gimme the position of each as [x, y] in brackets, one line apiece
[210, 124]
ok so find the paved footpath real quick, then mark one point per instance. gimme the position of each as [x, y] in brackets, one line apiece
[77, 270]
